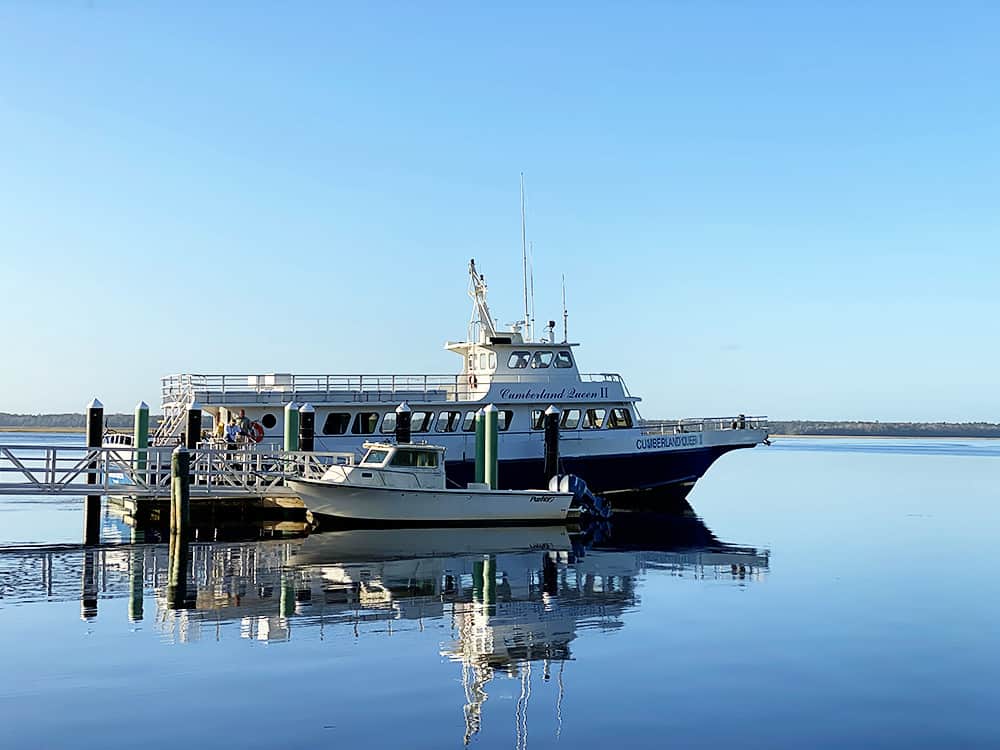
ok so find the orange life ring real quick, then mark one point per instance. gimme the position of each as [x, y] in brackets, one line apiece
[472, 381]
[256, 432]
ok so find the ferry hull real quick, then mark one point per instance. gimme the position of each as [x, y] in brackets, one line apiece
[360, 503]
[671, 473]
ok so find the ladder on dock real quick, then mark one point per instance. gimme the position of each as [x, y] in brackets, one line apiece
[116, 471]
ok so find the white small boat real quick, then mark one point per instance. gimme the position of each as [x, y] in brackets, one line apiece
[406, 483]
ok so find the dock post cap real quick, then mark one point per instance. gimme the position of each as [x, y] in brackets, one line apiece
[180, 449]
[292, 405]
[489, 408]
[195, 406]
[403, 408]
[553, 409]
[307, 407]
[95, 404]
[142, 406]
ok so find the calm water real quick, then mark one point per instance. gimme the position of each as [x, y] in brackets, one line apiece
[866, 613]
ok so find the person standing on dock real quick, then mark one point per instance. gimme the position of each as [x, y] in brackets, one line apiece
[243, 423]
[232, 433]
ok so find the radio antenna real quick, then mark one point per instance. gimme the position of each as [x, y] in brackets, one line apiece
[565, 312]
[524, 263]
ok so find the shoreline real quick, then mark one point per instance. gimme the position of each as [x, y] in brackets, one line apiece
[888, 437]
[81, 430]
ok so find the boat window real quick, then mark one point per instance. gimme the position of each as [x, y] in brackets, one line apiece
[420, 421]
[563, 359]
[389, 422]
[414, 458]
[336, 423]
[518, 360]
[483, 359]
[504, 417]
[365, 423]
[593, 419]
[448, 421]
[374, 456]
[540, 360]
[537, 419]
[619, 419]
[493, 360]
[469, 423]
[570, 419]
[269, 421]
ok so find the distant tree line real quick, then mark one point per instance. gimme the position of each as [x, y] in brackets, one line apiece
[64, 421]
[887, 429]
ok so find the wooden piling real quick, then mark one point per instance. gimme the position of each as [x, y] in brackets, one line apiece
[92, 503]
[180, 491]
[490, 581]
[192, 433]
[136, 574]
[307, 427]
[551, 419]
[88, 593]
[404, 421]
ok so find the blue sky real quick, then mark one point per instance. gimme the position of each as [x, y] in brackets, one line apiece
[778, 207]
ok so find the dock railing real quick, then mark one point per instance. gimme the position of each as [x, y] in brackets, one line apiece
[63, 470]
[708, 424]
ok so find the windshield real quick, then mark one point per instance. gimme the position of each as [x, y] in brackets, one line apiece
[374, 457]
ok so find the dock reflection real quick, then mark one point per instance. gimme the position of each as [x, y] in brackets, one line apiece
[514, 598]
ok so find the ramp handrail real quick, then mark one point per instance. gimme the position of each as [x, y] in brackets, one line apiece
[47, 470]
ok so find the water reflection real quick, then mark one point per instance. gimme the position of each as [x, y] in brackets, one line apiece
[511, 600]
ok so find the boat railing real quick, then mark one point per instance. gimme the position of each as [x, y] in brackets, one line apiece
[282, 387]
[708, 424]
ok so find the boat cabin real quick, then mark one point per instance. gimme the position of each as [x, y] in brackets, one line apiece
[403, 466]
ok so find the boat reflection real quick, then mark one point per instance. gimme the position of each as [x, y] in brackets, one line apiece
[515, 597]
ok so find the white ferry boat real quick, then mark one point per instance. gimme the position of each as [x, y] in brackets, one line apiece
[603, 438]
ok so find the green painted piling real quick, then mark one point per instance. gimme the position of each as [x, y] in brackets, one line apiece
[491, 444]
[286, 604]
[480, 446]
[140, 436]
[92, 503]
[291, 426]
[477, 581]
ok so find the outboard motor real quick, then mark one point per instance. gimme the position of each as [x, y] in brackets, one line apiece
[589, 504]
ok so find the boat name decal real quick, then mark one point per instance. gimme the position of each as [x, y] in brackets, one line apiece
[543, 394]
[669, 441]
[540, 499]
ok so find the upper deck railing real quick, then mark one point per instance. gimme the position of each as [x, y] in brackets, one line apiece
[708, 424]
[279, 388]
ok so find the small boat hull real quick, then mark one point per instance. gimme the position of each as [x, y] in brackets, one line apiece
[360, 503]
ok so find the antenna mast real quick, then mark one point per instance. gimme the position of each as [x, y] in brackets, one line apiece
[524, 261]
[531, 284]
[565, 312]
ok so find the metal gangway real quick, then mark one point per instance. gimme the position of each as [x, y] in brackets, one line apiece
[128, 472]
